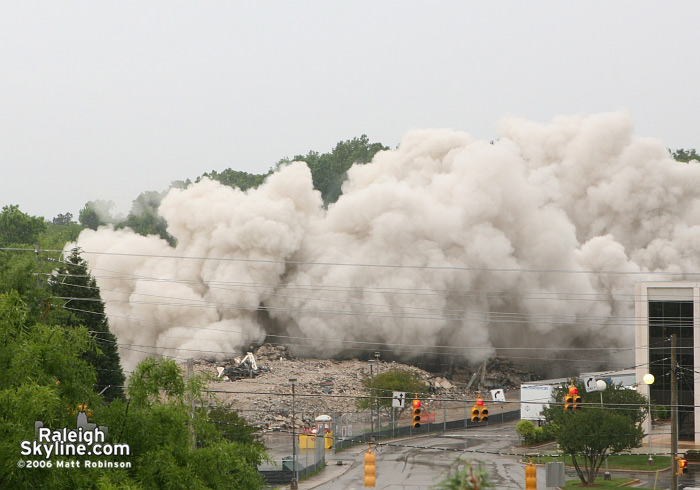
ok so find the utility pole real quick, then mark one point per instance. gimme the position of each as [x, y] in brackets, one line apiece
[372, 400]
[295, 482]
[37, 250]
[193, 434]
[674, 415]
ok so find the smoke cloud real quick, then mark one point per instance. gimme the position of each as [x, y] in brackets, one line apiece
[447, 244]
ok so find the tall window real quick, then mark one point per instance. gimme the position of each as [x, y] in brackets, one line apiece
[665, 319]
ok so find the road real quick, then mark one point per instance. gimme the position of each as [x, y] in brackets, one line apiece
[421, 462]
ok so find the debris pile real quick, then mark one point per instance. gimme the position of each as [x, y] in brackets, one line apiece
[242, 367]
[493, 373]
[261, 390]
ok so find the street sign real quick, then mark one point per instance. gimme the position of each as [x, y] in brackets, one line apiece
[498, 395]
[398, 399]
[591, 385]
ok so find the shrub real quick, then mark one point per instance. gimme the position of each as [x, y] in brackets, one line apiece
[661, 412]
[527, 431]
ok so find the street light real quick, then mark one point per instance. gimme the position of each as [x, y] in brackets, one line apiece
[371, 384]
[294, 485]
[379, 419]
[602, 385]
[649, 380]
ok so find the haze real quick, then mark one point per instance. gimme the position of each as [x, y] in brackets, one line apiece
[105, 100]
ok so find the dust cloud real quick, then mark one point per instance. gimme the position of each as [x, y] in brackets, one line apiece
[447, 245]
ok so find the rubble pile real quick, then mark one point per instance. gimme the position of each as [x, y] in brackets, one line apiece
[328, 386]
[493, 373]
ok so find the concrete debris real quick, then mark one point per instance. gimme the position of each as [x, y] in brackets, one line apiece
[331, 386]
[243, 367]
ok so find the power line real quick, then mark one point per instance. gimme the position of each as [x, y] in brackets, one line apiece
[367, 265]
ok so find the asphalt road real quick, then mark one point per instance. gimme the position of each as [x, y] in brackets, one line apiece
[422, 462]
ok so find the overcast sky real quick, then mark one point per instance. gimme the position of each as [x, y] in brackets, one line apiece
[105, 100]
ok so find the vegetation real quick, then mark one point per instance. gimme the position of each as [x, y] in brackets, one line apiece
[170, 446]
[463, 476]
[144, 218]
[72, 283]
[682, 155]
[58, 356]
[381, 388]
[17, 227]
[632, 462]
[601, 483]
[236, 178]
[329, 170]
[533, 435]
[599, 428]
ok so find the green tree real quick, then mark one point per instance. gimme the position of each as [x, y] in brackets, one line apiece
[682, 155]
[158, 424]
[18, 228]
[381, 387]
[463, 476]
[598, 429]
[75, 286]
[329, 170]
[144, 218]
[63, 219]
[592, 434]
[43, 379]
[96, 213]
[235, 178]
[59, 231]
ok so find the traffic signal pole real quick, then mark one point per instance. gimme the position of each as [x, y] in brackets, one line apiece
[674, 414]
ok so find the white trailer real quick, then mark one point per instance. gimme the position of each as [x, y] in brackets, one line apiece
[534, 399]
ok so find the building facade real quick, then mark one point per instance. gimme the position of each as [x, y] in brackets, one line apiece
[661, 310]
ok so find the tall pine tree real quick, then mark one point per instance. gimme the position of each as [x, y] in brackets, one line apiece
[85, 307]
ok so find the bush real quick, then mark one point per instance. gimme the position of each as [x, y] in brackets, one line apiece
[532, 434]
[527, 431]
[661, 412]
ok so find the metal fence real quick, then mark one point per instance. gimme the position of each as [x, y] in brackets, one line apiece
[308, 462]
[405, 430]
[358, 428]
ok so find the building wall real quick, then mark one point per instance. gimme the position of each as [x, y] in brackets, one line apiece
[667, 291]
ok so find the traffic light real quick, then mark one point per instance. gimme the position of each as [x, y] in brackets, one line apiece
[577, 401]
[531, 477]
[475, 413]
[415, 416]
[483, 411]
[370, 467]
[484, 415]
[682, 466]
[572, 401]
[568, 402]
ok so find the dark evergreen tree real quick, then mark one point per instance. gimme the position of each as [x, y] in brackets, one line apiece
[85, 307]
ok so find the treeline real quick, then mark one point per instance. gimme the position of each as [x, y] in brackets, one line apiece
[59, 360]
[328, 171]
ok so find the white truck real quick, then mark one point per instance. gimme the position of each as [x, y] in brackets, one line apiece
[535, 398]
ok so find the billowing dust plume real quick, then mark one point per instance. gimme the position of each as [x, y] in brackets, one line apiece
[448, 244]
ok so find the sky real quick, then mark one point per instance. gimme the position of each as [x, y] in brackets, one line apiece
[106, 100]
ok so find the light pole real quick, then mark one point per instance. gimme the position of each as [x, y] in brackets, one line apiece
[379, 420]
[294, 485]
[649, 380]
[371, 384]
[602, 385]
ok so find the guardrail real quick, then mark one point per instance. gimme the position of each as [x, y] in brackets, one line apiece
[407, 431]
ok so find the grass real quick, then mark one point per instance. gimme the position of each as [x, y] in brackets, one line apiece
[637, 462]
[600, 483]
